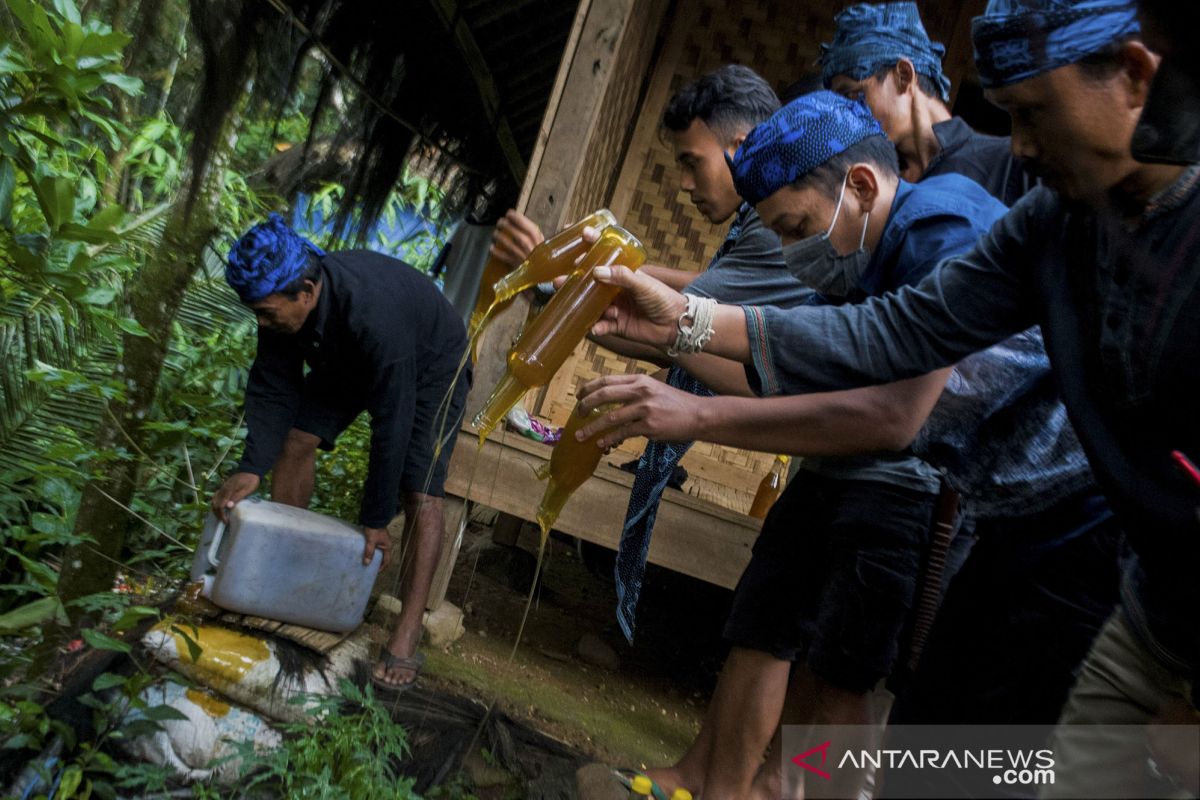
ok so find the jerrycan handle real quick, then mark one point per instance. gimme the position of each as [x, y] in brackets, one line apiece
[218, 535]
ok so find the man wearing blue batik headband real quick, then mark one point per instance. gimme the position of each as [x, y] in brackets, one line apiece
[376, 336]
[1001, 433]
[1104, 258]
[900, 79]
[833, 576]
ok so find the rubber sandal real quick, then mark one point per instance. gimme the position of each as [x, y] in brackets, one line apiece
[415, 662]
[626, 776]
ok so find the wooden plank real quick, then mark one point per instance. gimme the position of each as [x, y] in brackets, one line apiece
[577, 111]
[691, 536]
[551, 112]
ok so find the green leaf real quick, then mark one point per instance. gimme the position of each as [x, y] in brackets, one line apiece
[164, 713]
[8, 180]
[56, 196]
[131, 326]
[107, 680]
[70, 781]
[126, 83]
[68, 10]
[102, 641]
[30, 614]
[194, 648]
[99, 296]
[133, 616]
[72, 232]
[106, 44]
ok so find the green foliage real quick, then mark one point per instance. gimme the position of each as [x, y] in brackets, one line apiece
[68, 258]
[352, 752]
[415, 194]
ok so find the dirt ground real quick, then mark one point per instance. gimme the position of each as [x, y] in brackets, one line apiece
[635, 706]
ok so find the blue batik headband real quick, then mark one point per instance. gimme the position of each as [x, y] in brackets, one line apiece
[1020, 39]
[870, 37]
[267, 258]
[797, 139]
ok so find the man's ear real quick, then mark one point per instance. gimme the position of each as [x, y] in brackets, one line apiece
[735, 143]
[1139, 66]
[905, 75]
[863, 184]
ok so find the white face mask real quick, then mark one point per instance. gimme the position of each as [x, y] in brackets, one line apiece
[816, 263]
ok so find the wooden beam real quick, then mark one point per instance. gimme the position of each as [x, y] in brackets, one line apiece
[691, 535]
[451, 17]
[576, 108]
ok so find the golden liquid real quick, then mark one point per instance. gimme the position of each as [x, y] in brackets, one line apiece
[557, 256]
[769, 488]
[211, 705]
[493, 271]
[224, 654]
[571, 464]
[555, 333]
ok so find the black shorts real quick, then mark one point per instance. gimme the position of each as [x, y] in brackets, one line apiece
[326, 411]
[832, 577]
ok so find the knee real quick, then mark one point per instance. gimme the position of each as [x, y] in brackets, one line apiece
[300, 445]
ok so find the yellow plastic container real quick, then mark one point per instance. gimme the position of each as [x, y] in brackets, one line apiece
[554, 334]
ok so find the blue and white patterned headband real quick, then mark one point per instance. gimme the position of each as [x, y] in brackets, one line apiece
[1016, 40]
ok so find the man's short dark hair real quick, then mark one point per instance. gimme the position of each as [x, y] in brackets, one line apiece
[828, 178]
[730, 100]
[925, 83]
[312, 272]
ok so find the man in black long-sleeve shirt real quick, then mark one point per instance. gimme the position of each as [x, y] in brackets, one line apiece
[376, 335]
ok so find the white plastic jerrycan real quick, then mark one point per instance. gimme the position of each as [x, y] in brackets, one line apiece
[286, 563]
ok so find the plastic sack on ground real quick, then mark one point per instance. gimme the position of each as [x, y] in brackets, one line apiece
[199, 748]
[248, 670]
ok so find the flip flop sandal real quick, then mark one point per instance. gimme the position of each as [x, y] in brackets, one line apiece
[415, 662]
[626, 776]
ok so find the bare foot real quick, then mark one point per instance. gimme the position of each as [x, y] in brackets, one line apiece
[768, 783]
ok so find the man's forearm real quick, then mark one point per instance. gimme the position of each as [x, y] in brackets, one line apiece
[874, 419]
[631, 349]
[722, 375]
[677, 279]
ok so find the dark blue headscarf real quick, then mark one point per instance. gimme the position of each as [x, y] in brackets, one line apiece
[1016, 40]
[797, 139]
[870, 37]
[267, 258]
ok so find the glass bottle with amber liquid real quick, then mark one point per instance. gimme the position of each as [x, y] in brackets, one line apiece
[770, 487]
[557, 256]
[554, 333]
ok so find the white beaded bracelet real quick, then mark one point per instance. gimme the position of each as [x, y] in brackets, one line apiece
[692, 338]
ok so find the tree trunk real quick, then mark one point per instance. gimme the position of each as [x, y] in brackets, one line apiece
[155, 295]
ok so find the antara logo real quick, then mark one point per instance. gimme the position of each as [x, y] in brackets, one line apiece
[823, 749]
